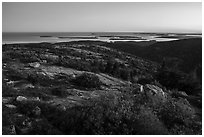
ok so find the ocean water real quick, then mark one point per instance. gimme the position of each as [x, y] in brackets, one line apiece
[8, 38]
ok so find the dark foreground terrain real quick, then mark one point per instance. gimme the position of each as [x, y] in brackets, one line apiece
[94, 88]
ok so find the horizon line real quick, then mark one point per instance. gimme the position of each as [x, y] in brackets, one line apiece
[95, 32]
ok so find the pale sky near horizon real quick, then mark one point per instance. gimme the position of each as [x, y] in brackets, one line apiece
[102, 17]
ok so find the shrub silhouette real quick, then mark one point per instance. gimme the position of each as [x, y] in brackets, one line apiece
[59, 91]
[107, 118]
[175, 113]
[174, 79]
[87, 80]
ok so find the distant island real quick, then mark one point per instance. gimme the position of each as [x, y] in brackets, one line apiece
[45, 36]
[123, 37]
[78, 37]
[127, 39]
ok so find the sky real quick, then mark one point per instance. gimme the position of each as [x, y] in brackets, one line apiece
[102, 17]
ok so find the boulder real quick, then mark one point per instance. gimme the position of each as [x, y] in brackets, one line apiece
[25, 86]
[21, 98]
[154, 94]
[10, 83]
[34, 65]
[141, 88]
[154, 90]
[73, 76]
[10, 106]
[35, 99]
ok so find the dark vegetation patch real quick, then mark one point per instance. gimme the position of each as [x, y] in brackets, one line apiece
[187, 51]
[129, 116]
[87, 80]
[174, 79]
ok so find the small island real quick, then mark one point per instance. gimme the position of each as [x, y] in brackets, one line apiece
[78, 37]
[46, 36]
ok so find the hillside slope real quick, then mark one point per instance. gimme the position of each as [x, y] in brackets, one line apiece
[185, 55]
[86, 88]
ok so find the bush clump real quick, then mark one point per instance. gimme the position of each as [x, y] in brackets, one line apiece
[104, 117]
[177, 113]
[87, 80]
[173, 79]
[60, 92]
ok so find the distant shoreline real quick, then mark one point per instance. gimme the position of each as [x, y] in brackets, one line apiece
[81, 37]
[84, 40]
[11, 38]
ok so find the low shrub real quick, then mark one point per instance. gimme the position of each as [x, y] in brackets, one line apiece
[174, 79]
[43, 127]
[147, 123]
[87, 80]
[26, 107]
[175, 112]
[59, 91]
[8, 91]
[103, 117]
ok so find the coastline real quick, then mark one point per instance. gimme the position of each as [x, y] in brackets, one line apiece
[15, 38]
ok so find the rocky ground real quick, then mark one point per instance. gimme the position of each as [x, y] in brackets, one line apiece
[83, 88]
